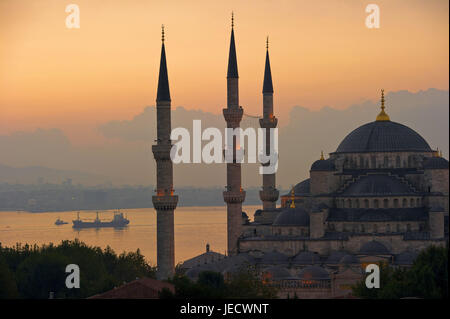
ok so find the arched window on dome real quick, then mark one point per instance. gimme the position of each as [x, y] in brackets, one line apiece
[366, 203]
[397, 161]
[349, 203]
[363, 230]
[405, 203]
[398, 228]
[385, 162]
[373, 162]
[386, 203]
[357, 203]
[388, 228]
[361, 162]
[408, 227]
[411, 202]
[418, 202]
[375, 203]
[375, 228]
[396, 203]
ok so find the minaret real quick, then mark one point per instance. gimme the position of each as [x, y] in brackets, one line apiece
[268, 194]
[234, 194]
[164, 201]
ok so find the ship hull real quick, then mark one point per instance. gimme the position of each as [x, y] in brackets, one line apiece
[81, 224]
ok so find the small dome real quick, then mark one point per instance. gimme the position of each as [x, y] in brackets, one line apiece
[292, 217]
[349, 259]
[306, 258]
[323, 165]
[314, 273]
[373, 248]
[277, 272]
[377, 185]
[302, 188]
[383, 136]
[335, 257]
[405, 258]
[435, 163]
[274, 257]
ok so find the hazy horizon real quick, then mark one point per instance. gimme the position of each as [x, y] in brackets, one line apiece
[126, 158]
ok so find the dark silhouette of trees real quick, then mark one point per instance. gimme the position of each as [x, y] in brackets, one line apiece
[33, 271]
[427, 278]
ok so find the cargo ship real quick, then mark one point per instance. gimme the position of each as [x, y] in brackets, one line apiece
[118, 221]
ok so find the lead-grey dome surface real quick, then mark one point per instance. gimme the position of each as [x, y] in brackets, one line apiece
[292, 217]
[373, 248]
[383, 136]
[306, 258]
[378, 184]
[314, 273]
[435, 163]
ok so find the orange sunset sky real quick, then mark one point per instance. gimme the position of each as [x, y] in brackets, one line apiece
[321, 54]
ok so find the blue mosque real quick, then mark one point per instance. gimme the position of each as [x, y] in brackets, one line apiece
[381, 196]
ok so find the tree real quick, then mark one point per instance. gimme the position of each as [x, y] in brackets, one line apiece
[427, 278]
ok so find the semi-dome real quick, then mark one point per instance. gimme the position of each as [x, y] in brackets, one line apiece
[435, 163]
[373, 248]
[378, 185]
[302, 188]
[383, 136]
[292, 217]
[314, 273]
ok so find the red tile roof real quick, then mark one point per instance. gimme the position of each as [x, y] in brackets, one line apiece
[144, 288]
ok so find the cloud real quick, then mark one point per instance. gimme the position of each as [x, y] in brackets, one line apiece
[128, 158]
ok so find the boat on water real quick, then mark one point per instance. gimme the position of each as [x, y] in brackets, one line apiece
[60, 222]
[118, 221]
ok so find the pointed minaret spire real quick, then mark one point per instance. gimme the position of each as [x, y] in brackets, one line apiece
[163, 81]
[232, 62]
[267, 85]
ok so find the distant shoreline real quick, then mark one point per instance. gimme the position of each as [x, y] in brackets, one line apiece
[111, 209]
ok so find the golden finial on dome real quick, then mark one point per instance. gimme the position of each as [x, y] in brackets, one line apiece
[321, 156]
[292, 198]
[382, 116]
[436, 153]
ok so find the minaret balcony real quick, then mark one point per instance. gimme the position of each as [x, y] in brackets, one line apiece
[233, 196]
[165, 202]
[269, 195]
[268, 122]
[162, 151]
[233, 116]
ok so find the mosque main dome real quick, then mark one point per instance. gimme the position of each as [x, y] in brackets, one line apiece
[383, 136]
